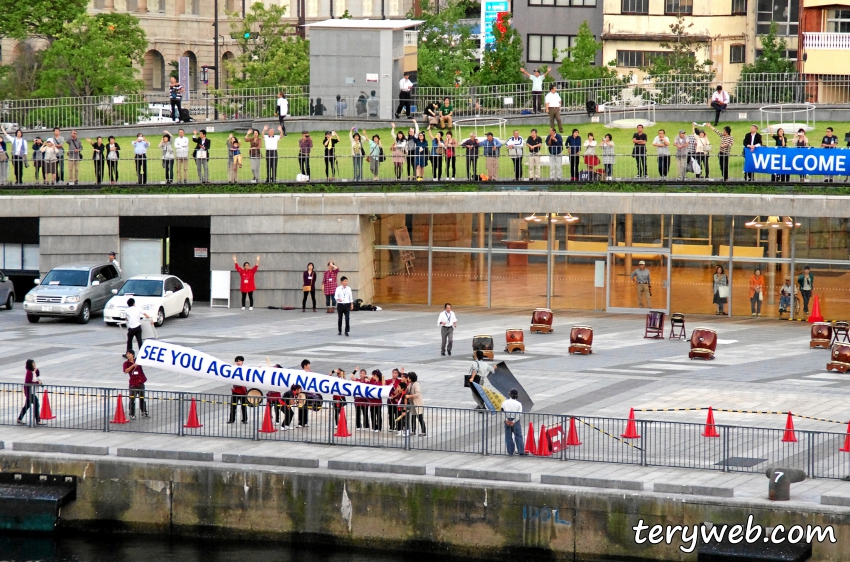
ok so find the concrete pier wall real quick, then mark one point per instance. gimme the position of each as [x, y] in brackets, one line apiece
[474, 518]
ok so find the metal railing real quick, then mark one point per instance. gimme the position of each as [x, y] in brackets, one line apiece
[826, 41]
[507, 99]
[428, 428]
[342, 168]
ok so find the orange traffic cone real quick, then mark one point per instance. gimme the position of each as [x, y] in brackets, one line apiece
[193, 422]
[342, 425]
[789, 436]
[268, 426]
[631, 427]
[119, 411]
[543, 449]
[530, 445]
[816, 316]
[846, 447]
[710, 428]
[572, 435]
[46, 413]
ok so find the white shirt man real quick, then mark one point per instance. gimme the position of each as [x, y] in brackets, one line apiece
[181, 145]
[114, 261]
[270, 141]
[344, 299]
[553, 107]
[405, 85]
[513, 429]
[282, 112]
[447, 321]
[720, 96]
[133, 316]
[553, 99]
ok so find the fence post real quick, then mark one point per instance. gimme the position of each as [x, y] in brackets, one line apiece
[811, 455]
[332, 413]
[483, 432]
[180, 414]
[105, 409]
[563, 439]
[643, 442]
[256, 420]
[725, 430]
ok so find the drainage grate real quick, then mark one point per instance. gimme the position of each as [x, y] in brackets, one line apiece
[741, 462]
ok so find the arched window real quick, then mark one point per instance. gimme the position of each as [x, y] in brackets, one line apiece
[153, 72]
[225, 75]
[193, 70]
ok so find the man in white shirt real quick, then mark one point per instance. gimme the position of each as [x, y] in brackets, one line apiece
[405, 94]
[447, 323]
[553, 107]
[134, 324]
[282, 111]
[114, 261]
[719, 101]
[513, 429]
[477, 372]
[181, 154]
[270, 141]
[343, 304]
[536, 87]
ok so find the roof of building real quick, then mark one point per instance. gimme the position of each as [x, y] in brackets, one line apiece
[364, 24]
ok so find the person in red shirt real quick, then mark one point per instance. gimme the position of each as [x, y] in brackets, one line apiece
[246, 280]
[375, 404]
[137, 384]
[391, 406]
[361, 405]
[30, 394]
[329, 284]
[240, 396]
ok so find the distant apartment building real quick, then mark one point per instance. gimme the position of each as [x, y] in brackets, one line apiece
[550, 25]
[786, 15]
[634, 29]
[824, 40]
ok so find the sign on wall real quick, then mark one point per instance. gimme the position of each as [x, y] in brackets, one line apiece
[490, 9]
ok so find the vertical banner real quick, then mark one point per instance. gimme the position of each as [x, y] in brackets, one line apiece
[490, 9]
[183, 77]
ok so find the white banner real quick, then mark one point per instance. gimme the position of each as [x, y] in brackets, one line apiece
[187, 361]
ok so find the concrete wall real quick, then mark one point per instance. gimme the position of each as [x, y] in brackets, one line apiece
[469, 518]
[74, 239]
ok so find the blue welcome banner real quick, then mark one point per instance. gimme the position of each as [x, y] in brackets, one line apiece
[802, 161]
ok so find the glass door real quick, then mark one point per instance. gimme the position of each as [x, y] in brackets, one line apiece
[638, 279]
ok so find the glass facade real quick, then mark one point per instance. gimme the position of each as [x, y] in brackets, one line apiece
[585, 262]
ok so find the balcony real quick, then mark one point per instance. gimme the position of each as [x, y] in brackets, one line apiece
[826, 41]
[411, 38]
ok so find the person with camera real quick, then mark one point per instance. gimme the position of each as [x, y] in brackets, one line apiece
[140, 150]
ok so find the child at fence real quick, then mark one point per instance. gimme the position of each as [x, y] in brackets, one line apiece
[237, 159]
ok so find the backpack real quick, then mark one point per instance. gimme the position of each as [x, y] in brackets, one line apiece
[381, 157]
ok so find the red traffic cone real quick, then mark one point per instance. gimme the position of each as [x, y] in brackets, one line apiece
[846, 447]
[572, 435]
[710, 428]
[816, 316]
[631, 427]
[119, 411]
[46, 413]
[342, 425]
[268, 426]
[789, 436]
[543, 448]
[530, 445]
[193, 422]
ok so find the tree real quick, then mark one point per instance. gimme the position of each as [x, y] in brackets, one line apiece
[94, 55]
[686, 78]
[579, 62]
[446, 49]
[273, 56]
[38, 18]
[503, 59]
[772, 58]
[19, 79]
[175, 69]
[759, 82]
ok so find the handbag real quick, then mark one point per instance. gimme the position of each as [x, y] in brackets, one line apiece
[306, 288]
[3, 157]
[723, 291]
[381, 157]
[761, 296]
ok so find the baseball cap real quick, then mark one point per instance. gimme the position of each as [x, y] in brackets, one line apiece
[641, 262]
[111, 253]
[681, 130]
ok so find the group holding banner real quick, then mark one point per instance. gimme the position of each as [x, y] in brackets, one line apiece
[782, 160]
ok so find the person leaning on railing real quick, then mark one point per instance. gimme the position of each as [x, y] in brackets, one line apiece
[254, 154]
[726, 142]
[18, 149]
[181, 154]
[167, 157]
[98, 156]
[305, 145]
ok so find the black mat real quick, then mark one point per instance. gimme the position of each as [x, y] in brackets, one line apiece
[504, 380]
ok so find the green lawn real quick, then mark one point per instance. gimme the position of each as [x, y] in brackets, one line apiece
[288, 166]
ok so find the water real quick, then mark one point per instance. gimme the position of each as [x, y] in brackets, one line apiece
[122, 548]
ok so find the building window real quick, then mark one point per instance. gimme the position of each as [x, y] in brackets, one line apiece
[737, 54]
[676, 7]
[562, 2]
[312, 8]
[132, 5]
[838, 21]
[739, 7]
[194, 7]
[789, 54]
[783, 12]
[637, 59]
[541, 47]
[99, 4]
[339, 8]
[635, 6]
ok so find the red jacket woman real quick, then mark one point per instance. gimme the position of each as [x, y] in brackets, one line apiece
[246, 280]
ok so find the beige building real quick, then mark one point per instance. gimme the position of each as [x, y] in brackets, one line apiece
[184, 28]
[633, 30]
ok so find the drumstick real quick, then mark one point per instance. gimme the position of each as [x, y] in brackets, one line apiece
[267, 361]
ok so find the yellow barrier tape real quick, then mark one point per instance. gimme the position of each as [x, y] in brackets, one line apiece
[603, 432]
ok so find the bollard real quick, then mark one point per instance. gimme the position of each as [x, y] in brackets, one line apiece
[780, 480]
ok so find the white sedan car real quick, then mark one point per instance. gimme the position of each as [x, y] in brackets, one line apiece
[160, 296]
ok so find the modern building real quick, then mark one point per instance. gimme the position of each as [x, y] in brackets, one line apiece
[824, 39]
[634, 29]
[547, 25]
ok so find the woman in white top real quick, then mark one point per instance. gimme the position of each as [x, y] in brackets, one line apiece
[590, 159]
[608, 155]
[702, 150]
[662, 146]
[17, 148]
[51, 156]
[515, 145]
[167, 157]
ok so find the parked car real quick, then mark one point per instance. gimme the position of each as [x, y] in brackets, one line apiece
[7, 291]
[162, 295]
[75, 290]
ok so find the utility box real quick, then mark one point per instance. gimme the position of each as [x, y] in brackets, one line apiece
[362, 62]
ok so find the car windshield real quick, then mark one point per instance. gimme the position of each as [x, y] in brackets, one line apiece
[67, 278]
[142, 288]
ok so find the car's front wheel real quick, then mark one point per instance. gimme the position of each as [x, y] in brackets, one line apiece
[10, 301]
[33, 319]
[160, 318]
[85, 313]
[186, 308]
